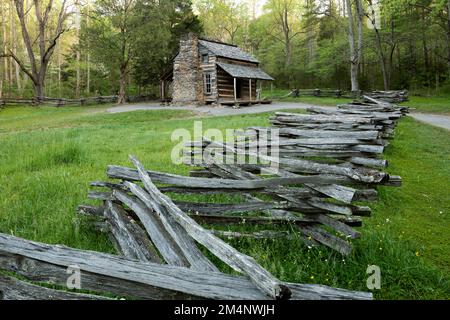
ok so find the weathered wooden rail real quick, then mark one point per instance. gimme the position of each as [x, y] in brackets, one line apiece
[387, 96]
[158, 253]
[343, 146]
[61, 102]
[320, 93]
[111, 274]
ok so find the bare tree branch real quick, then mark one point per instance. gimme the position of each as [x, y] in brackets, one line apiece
[19, 62]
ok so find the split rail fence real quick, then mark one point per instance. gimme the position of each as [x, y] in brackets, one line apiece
[387, 96]
[328, 161]
[158, 255]
[61, 102]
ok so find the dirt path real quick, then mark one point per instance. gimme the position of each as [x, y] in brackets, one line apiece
[432, 119]
[216, 110]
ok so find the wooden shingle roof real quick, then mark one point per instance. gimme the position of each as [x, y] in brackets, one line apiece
[227, 50]
[247, 72]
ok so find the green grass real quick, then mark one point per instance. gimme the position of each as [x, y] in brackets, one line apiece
[438, 104]
[428, 104]
[17, 118]
[48, 156]
[320, 101]
[420, 209]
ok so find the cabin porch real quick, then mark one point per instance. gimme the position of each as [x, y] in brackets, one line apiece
[240, 84]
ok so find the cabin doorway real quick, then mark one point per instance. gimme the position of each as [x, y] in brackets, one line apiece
[238, 88]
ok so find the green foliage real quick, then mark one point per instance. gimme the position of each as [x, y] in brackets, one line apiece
[167, 21]
[305, 45]
[223, 20]
[141, 36]
[434, 104]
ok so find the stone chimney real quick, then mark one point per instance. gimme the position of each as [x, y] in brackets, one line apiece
[187, 81]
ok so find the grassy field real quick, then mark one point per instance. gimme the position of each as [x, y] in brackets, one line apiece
[434, 104]
[48, 156]
[440, 104]
[278, 94]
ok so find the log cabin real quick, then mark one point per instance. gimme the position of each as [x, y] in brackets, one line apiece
[206, 71]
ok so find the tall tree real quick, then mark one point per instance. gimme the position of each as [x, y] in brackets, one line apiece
[355, 44]
[14, 44]
[448, 37]
[77, 48]
[5, 75]
[169, 20]
[286, 19]
[222, 19]
[39, 58]
[372, 17]
[112, 37]
[88, 54]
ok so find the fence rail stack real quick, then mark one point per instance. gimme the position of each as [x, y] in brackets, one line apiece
[329, 161]
[61, 102]
[386, 96]
[334, 156]
[158, 256]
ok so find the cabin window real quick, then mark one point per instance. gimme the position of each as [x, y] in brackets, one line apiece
[208, 83]
[205, 58]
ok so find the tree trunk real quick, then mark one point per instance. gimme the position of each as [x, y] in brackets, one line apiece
[88, 57]
[287, 48]
[288, 61]
[39, 90]
[1, 73]
[310, 31]
[39, 84]
[360, 13]
[14, 48]
[380, 52]
[123, 80]
[426, 59]
[11, 46]
[77, 89]
[59, 69]
[45, 42]
[391, 54]
[448, 39]
[391, 66]
[78, 56]
[287, 39]
[353, 53]
[5, 48]
[382, 59]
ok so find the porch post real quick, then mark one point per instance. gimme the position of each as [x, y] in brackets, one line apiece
[250, 88]
[260, 90]
[235, 92]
